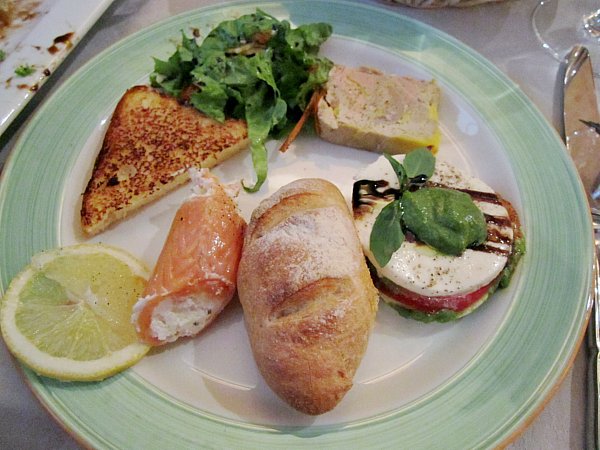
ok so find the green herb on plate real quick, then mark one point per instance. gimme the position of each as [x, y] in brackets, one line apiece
[387, 235]
[419, 162]
[255, 68]
[24, 70]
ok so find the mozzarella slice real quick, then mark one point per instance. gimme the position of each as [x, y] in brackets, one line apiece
[420, 268]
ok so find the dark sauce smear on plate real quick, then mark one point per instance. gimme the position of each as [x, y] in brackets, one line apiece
[62, 39]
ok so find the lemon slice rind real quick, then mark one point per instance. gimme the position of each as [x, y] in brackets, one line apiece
[63, 368]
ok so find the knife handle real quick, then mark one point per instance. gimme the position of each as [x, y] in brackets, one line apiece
[593, 415]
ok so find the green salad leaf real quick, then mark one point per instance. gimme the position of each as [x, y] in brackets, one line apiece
[255, 68]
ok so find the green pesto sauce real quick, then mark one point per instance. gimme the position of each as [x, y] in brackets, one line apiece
[514, 258]
[444, 219]
[442, 316]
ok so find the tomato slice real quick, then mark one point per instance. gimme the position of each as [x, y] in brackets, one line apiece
[431, 305]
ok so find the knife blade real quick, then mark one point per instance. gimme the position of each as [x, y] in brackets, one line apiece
[581, 121]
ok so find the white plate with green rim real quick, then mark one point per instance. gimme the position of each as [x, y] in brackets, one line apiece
[473, 383]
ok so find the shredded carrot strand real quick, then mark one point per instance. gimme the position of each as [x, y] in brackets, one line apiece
[310, 109]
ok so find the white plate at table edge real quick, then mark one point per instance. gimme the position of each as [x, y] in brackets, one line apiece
[488, 83]
[37, 47]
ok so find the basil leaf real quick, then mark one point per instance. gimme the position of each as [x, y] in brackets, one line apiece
[386, 235]
[399, 170]
[419, 162]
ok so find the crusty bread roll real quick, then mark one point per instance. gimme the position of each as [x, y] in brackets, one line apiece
[308, 299]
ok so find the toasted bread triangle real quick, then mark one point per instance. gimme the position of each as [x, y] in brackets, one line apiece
[151, 141]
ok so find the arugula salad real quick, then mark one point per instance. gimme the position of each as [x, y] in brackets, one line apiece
[255, 68]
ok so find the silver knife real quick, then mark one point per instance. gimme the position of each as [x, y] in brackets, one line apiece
[582, 138]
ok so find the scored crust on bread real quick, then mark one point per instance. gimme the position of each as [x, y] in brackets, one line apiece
[151, 142]
[365, 108]
[308, 299]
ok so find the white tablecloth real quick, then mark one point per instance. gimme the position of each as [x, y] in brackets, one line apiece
[501, 32]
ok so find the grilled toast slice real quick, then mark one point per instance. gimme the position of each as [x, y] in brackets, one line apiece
[151, 141]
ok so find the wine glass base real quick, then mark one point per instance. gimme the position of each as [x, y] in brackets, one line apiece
[561, 24]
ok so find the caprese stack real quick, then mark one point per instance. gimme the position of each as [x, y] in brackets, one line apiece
[438, 244]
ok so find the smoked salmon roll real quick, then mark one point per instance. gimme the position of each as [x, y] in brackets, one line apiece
[195, 274]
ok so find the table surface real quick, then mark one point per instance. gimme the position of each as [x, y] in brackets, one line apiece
[501, 32]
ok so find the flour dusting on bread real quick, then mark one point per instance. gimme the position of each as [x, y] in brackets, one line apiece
[321, 237]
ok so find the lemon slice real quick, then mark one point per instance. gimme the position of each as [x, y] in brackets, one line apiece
[67, 314]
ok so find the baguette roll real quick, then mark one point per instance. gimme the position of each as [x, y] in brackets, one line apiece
[308, 299]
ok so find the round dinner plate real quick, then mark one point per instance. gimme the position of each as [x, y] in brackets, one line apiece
[473, 383]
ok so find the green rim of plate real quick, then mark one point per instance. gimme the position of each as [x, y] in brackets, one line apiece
[484, 405]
